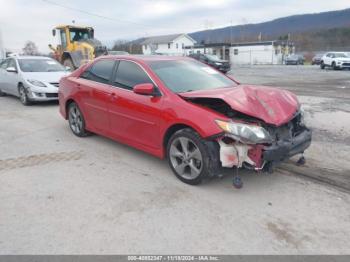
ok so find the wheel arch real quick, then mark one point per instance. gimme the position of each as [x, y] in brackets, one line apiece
[172, 130]
[20, 83]
[68, 102]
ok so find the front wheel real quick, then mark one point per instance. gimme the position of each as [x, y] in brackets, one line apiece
[188, 156]
[23, 96]
[334, 67]
[76, 120]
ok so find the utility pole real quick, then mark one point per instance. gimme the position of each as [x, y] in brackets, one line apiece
[231, 32]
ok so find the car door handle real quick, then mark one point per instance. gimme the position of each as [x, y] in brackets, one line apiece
[78, 86]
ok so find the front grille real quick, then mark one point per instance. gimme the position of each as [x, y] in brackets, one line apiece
[55, 84]
[226, 65]
[51, 95]
[287, 131]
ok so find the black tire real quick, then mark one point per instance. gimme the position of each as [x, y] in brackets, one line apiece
[322, 65]
[2, 93]
[76, 120]
[191, 162]
[69, 63]
[334, 67]
[23, 96]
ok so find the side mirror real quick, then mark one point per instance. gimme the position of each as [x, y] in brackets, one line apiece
[11, 70]
[146, 89]
[54, 32]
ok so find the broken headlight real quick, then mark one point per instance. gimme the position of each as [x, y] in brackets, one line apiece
[249, 134]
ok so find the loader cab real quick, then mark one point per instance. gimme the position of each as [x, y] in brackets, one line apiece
[67, 35]
[75, 45]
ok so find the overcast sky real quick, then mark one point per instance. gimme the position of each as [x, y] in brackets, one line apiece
[22, 20]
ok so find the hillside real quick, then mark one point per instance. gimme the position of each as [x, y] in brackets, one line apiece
[294, 25]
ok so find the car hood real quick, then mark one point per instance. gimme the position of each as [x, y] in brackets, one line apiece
[273, 106]
[49, 77]
[219, 61]
[343, 59]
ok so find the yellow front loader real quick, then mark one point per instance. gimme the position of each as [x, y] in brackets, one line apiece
[76, 45]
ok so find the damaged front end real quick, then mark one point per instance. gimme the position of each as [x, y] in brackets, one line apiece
[260, 146]
[252, 143]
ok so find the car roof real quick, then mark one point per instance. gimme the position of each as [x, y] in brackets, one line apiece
[147, 58]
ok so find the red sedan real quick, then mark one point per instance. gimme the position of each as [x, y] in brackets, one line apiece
[179, 108]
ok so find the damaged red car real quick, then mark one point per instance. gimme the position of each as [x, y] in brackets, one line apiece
[180, 109]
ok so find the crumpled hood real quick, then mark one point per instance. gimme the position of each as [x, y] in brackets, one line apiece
[272, 105]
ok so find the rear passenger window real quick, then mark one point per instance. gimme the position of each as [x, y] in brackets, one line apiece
[100, 72]
[130, 74]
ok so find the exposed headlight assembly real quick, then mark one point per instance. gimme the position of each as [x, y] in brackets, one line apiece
[37, 83]
[218, 63]
[248, 134]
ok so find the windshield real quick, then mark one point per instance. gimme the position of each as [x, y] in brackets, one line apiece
[40, 65]
[77, 34]
[186, 76]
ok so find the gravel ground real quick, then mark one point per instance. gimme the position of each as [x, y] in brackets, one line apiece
[325, 97]
[60, 194]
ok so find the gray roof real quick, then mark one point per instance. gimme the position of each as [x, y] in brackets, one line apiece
[162, 39]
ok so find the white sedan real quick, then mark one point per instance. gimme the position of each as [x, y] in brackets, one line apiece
[31, 78]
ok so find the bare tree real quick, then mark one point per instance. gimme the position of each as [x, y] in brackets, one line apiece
[30, 48]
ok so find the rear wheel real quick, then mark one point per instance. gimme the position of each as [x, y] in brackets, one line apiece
[188, 156]
[76, 120]
[2, 93]
[23, 95]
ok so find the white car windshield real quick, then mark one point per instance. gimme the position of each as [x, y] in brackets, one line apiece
[40, 65]
[186, 76]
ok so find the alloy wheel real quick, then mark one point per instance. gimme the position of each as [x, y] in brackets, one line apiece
[186, 158]
[75, 119]
[23, 95]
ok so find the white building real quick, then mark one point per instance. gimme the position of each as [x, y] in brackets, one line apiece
[167, 44]
[253, 53]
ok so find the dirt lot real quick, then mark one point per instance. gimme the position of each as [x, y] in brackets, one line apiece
[60, 194]
[325, 96]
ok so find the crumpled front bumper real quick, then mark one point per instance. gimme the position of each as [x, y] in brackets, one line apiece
[285, 149]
